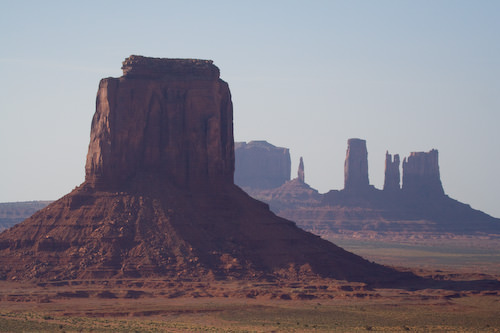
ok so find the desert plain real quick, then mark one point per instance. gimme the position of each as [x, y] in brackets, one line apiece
[455, 302]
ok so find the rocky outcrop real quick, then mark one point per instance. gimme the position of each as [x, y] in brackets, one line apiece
[291, 194]
[392, 176]
[361, 210]
[261, 165]
[159, 200]
[300, 171]
[421, 174]
[170, 118]
[356, 166]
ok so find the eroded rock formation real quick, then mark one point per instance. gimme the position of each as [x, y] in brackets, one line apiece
[300, 171]
[362, 211]
[158, 197]
[421, 174]
[392, 176]
[171, 118]
[261, 165]
[293, 193]
[356, 166]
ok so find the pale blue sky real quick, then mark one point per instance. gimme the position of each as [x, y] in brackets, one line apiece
[308, 75]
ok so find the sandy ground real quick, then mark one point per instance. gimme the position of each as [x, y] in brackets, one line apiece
[317, 305]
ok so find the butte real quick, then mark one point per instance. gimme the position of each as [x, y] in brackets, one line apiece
[159, 198]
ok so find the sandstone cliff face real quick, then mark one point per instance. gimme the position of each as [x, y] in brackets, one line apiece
[356, 166]
[261, 165]
[171, 118]
[421, 174]
[392, 176]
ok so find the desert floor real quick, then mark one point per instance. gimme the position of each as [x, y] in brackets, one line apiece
[183, 305]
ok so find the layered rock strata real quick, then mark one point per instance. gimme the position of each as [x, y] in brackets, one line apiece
[158, 197]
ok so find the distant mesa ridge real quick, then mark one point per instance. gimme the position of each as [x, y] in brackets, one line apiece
[420, 171]
[420, 205]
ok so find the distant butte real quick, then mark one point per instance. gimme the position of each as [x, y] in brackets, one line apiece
[261, 165]
[159, 200]
[419, 207]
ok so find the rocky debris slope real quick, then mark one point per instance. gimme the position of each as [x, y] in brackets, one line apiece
[159, 198]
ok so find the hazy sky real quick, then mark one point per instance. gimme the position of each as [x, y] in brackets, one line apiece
[307, 75]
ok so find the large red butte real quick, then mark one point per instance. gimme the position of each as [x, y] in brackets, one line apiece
[159, 198]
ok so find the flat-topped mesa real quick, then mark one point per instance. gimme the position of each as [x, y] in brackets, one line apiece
[356, 166]
[300, 171]
[421, 173]
[392, 176]
[166, 118]
[179, 69]
[261, 165]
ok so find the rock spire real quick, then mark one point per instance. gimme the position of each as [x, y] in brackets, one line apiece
[300, 171]
[356, 166]
[392, 174]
